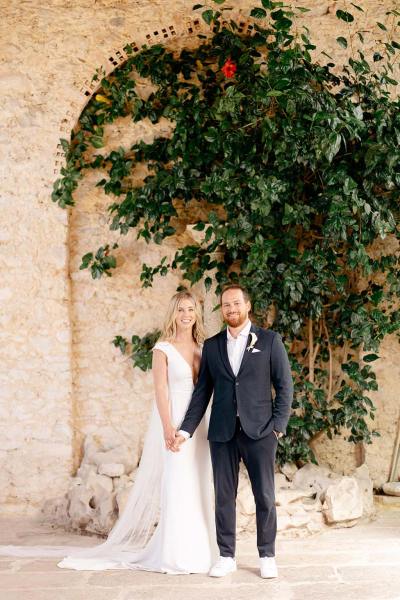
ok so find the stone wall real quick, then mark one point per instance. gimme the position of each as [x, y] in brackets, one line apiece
[61, 378]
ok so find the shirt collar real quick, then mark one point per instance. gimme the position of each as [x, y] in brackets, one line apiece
[245, 332]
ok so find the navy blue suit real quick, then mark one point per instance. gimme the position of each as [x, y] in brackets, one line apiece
[243, 417]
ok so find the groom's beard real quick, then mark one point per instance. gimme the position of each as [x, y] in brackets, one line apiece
[236, 320]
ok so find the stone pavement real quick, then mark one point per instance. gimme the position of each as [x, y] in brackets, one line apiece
[358, 563]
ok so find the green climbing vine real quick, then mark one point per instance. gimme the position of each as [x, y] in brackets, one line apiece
[294, 164]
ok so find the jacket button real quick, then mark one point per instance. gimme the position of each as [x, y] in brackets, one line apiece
[237, 383]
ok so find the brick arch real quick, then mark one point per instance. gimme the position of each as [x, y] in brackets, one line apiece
[163, 33]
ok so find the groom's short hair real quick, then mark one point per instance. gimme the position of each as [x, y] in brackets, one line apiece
[236, 286]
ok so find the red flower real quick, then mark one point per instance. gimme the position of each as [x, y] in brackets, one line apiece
[229, 68]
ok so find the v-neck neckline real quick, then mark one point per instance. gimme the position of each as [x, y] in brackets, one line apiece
[183, 358]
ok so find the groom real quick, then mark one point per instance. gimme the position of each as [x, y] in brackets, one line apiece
[239, 365]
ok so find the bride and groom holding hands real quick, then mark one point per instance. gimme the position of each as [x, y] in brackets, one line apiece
[238, 368]
[173, 522]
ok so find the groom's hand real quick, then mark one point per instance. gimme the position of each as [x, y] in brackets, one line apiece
[179, 440]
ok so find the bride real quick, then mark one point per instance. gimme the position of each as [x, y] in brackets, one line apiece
[168, 523]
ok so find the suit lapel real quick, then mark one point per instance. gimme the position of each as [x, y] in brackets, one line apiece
[224, 352]
[253, 329]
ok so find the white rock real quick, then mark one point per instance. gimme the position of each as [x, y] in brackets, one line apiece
[106, 514]
[296, 508]
[281, 481]
[121, 483]
[80, 510]
[84, 471]
[365, 483]
[119, 455]
[343, 501]
[311, 505]
[289, 470]
[99, 483]
[132, 475]
[111, 469]
[92, 505]
[283, 522]
[316, 523]
[285, 497]
[315, 476]
[246, 523]
[392, 488]
[300, 519]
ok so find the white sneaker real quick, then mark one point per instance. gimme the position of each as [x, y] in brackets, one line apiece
[223, 566]
[268, 568]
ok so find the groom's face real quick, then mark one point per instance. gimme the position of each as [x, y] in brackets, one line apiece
[235, 309]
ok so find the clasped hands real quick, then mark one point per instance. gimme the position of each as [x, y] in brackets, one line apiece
[173, 440]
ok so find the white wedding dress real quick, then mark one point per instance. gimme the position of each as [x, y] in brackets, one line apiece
[168, 524]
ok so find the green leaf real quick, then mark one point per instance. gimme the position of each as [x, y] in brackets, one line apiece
[342, 42]
[208, 16]
[219, 1]
[96, 141]
[370, 358]
[208, 283]
[282, 23]
[212, 134]
[274, 93]
[381, 26]
[344, 16]
[270, 4]
[196, 6]
[332, 145]
[357, 7]
[258, 13]
[199, 226]
[65, 145]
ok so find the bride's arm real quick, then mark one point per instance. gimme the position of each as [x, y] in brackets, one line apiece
[160, 379]
[200, 397]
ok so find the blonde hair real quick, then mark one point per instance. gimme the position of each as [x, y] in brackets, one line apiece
[169, 329]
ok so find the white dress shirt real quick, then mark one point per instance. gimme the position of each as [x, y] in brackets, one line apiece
[235, 347]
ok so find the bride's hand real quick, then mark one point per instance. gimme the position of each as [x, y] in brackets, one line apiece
[179, 440]
[169, 436]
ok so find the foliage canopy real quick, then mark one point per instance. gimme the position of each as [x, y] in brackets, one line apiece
[295, 166]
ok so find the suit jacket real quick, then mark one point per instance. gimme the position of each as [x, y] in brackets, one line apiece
[248, 394]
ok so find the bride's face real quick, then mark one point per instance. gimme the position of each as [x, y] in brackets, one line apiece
[185, 316]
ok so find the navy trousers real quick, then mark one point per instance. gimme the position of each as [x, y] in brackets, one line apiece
[259, 459]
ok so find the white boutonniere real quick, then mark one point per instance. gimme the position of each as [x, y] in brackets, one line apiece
[253, 340]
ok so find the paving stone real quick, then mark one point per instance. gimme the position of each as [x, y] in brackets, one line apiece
[227, 592]
[21, 581]
[139, 578]
[62, 594]
[351, 564]
[388, 573]
[287, 574]
[38, 565]
[344, 591]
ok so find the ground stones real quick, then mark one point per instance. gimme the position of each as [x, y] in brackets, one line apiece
[308, 499]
